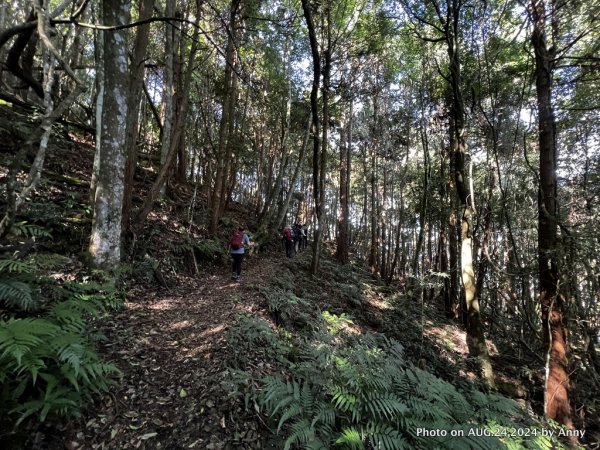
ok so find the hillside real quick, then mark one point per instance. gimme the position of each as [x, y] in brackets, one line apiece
[280, 359]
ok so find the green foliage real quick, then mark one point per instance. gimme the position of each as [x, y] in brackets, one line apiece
[251, 337]
[101, 294]
[284, 279]
[368, 397]
[15, 290]
[335, 324]
[28, 230]
[209, 250]
[284, 305]
[48, 365]
[328, 387]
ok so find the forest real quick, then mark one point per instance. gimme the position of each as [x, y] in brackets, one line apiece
[442, 155]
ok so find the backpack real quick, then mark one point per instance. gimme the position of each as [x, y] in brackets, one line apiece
[287, 234]
[236, 240]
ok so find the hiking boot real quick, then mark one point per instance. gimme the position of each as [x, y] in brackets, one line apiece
[234, 276]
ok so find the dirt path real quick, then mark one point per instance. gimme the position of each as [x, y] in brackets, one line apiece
[170, 347]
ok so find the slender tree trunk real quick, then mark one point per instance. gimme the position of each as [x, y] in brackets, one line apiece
[383, 225]
[286, 202]
[105, 241]
[556, 394]
[424, 201]
[398, 248]
[178, 131]
[136, 84]
[373, 260]
[228, 104]
[99, 85]
[465, 197]
[318, 195]
[16, 197]
[344, 210]
[168, 89]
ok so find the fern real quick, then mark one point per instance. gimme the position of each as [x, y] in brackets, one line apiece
[335, 389]
[27, 230]
[366, 396]
[17, 294]
[14, 266]
[16, 286]
[48, 365]
[351, 438]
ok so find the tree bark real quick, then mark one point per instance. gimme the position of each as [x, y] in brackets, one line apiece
[556, 394]
[168, 89]
[286, 202]
[465, 194]
[345, 166]
[136, 84]
[318, 195]
[105, 241]
[228, 104]
[178, 131]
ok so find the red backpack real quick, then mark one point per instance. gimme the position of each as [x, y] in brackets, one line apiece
[288, 234]
[236, 240]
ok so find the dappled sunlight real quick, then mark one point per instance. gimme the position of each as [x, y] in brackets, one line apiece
[379, 302]
[451, 338]
[164, 305]
[180, 325]
[213, 330]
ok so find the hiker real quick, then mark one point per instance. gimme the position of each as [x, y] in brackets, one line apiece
[296, 235]
[303, 236]
[289, 242]
[239, 241]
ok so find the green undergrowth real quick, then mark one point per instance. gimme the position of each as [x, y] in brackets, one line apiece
[320, 380]
[48, 363]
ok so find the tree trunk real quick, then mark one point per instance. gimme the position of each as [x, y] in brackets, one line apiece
[136, 83]
[168, 89]
[178, 131]
[344, 210]
[424, 199]
[465, 197]
[286, 202]
[227, 112]
[383, 226]
[99, 104]
[318, 195]
[105, 241]
[556, 395]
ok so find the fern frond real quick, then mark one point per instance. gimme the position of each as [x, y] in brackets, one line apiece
[293, 410]
[20, 336]
[325, 415]
[29, 230]
[351, 438]
[385, 437]
[17, 294]
[384, 405]
[301, 433]
[14, 266]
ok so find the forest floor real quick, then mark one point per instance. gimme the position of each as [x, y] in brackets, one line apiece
[169, 344]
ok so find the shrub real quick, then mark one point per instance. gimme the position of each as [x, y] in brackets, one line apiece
[48, 365]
